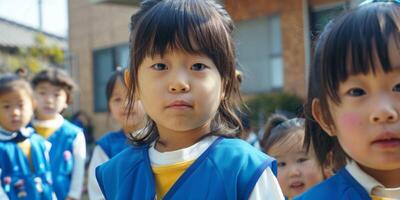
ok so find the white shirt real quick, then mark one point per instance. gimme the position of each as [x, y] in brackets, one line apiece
[99, 157]
[266, 188]
[78, 151]
[365, 180]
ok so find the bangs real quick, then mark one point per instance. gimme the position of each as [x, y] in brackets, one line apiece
[187, 26]
[358, 44]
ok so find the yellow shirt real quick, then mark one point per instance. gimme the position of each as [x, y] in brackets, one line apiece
[44, 131]
[25, 146]
[166, 175]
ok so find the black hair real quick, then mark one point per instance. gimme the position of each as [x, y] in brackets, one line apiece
[118, 74]
[347, 47]
[278, 128]
[12, 82]
[196, 27]
[56, 77]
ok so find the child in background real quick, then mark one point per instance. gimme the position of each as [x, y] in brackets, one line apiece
[24, 162]
[298, 170]
[354, 103]
[114, 142]
[183, 65]
[53, 92]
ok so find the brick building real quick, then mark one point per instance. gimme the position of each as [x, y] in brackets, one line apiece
[273, 38]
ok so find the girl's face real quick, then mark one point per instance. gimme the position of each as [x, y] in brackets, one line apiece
[118, 107]
[181, 92]
[51, 100]
[367, 121]
[297, 170]
[16, 110]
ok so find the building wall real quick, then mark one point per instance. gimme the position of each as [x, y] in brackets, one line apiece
[294, 20]
[95, 26]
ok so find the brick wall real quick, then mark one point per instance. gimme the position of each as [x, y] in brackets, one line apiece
[95, 26]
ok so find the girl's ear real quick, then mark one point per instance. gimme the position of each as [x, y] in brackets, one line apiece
[319, 117]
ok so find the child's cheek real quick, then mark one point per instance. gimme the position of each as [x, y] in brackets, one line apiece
[349, 122]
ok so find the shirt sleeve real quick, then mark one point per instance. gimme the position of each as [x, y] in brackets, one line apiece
[79, 152]
[3, 194]
[99, 157]
[267, 187]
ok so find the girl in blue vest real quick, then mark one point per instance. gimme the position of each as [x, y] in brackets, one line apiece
[53, 89]
[183, 67]
[24, 165]
[354, 103]
[298, 169]
[116, 141]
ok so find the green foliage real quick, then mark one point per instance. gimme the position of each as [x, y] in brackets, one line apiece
[262, 106]
[35, 58]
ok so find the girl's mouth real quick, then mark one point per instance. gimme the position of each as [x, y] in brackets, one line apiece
[387, 143]
[298, 185]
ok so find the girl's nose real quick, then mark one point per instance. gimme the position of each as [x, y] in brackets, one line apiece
[294, 171]
[179, 83]
[16, 112]
[384, 112]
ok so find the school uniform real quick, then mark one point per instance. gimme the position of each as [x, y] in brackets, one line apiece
[24, 170]
[67, 155]
[214, 168]
[351, 183]
[107, 147]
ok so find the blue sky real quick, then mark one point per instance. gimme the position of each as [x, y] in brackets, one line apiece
[55, 14]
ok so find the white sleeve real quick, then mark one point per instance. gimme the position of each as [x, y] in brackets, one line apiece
[99, 157]
[267, 187]
[3, 194]
[79, 153]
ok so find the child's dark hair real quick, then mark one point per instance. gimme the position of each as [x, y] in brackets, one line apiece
[12, 82]
[196, 27]
[278, 128]
[347, 47]
[117, 75]
[56, 77]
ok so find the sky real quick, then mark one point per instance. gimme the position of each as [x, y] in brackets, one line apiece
[55, 14]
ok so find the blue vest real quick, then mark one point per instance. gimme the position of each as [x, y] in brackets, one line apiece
[113, 143]
[17, 178]
[341, 186]
[61, 157]
[228, 169]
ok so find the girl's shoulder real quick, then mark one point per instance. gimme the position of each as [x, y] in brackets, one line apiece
[112, 135]
[340, 186]
[238, 148]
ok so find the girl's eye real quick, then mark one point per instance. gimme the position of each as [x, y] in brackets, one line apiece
[396, 88]
[301, 160]
[281, 164]
[6, 106]
[159, 66]
[198, 67]
[117, 99]
[356, 92]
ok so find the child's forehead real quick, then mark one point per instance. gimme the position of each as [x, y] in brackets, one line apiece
[47, 85]
[14, 94]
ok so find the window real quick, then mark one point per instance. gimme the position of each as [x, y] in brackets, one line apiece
[320, 17]
[259, 51]
[105, 62]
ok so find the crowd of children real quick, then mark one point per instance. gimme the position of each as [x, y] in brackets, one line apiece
[178, 108]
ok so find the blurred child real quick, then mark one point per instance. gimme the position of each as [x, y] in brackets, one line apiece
[24, 164]
[298, 170]
[354, 103]
[247, 134]
[183, 67]
[53, 92]
[116, 141]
